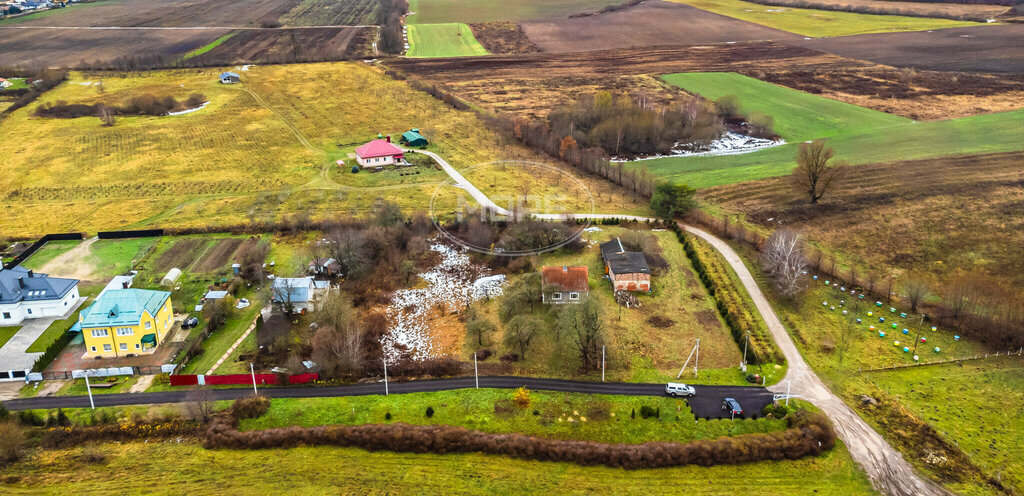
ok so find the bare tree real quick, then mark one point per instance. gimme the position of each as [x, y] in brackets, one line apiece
[520, 331]
[199, 403]
[338, 341]
[479, 328]
[916, 290]
[583, 326]
[783, 259]
[349, 249]
[106, 115]
[813, 174]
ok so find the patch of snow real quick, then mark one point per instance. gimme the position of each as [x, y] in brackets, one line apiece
[244, 67]
[730, 144]
[592, 229]
[189, 111]
[452, 284]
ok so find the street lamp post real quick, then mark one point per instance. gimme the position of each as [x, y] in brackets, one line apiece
[252, 371]
[745, 343]
[89, 389]
[789, 384]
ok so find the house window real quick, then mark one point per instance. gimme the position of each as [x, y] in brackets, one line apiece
[124, 346]
[7, 315]
[125, 331]
[94, 349]
[136, 346]
[106, 347]
[574, 296]
[29, 311]
[149, 324]
[556, 296]
[100, 333]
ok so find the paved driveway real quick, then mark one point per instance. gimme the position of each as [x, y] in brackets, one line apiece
[14, 354]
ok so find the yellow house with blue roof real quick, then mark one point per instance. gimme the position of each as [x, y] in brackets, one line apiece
[126, 322]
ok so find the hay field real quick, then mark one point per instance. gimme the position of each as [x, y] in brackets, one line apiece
[821, 23]
[259, 151]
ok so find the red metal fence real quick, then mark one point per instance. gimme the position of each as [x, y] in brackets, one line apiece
[218, 380]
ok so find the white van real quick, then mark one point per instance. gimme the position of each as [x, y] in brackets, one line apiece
[679, 389]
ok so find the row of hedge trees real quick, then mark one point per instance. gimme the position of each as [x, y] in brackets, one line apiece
[731, 306]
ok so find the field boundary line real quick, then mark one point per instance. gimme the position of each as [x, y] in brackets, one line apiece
[940, 362]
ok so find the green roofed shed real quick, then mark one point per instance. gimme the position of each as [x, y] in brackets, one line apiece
[414, 138]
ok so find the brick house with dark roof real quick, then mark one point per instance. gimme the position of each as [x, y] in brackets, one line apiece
[565, 284]
[627, 270]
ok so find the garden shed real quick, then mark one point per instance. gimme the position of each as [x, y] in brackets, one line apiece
[172, 277]
[413, 138]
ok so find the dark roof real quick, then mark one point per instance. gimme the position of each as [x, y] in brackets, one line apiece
[620, 261]
[20, 284]
[565, 278]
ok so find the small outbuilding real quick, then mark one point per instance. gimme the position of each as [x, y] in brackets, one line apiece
[172, 277]
[230, 78]
[413, 138]
[565, 284]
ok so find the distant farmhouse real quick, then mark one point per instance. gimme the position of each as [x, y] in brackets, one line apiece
[5, 83]
[565, 284]
[230, 78]
[324, 267]
[627, 270]
[25, 294]
[413, 138]
[378, 153]
[126, 322]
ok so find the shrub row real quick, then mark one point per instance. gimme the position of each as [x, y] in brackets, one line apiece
[251, 407]
[52, 351]
[808, 434]
[63, 437]
[731, 306]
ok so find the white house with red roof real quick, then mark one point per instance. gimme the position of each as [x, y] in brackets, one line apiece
[378, 153]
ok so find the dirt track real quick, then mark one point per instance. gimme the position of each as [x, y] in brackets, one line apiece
[651, 23]
[977, 49]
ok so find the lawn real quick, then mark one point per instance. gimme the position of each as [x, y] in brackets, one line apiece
[979, 405]
[55, 329]
[438, 11]
[601, 418]
[6, 333]
[221, 340]
[16, 84]
[821, 23]
[798, 116]
[187, 467]
[247, 160]
[48, 252]
[77, 387]
[117, 256]
[987, 133]
[451, 39]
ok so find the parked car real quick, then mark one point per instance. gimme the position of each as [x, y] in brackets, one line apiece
[190, 323]
[679, 389]
[732, 406]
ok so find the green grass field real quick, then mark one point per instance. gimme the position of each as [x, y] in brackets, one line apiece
[77, 387]
[55, 329]
[188, 468]
[451, 39]
[601, 418]
[979, 405]
[438, 11]
[859, 136]
[6, 333]
[798, 116]
[16, 84]
[820, 23]
[48, 252]
[209, 46]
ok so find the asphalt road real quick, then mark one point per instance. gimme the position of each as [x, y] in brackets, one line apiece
[706, 404]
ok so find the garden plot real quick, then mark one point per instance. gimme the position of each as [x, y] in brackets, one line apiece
[451, 286]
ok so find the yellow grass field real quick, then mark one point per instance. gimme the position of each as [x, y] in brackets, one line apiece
[257, 152]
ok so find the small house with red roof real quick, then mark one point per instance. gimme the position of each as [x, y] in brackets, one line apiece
[378, 153]
[565, 284]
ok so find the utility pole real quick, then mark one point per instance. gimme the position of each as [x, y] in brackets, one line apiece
[602, 363]
[476, 372]
[253, 372]
[789, 384]
[696, 360]
[745, 343]
[89, 389]
[386, 377]
[918, 338]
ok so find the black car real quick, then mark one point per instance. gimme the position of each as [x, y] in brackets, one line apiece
[732, 406]
[190, 323]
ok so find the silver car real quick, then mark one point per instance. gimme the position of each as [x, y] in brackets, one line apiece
[679, 389]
